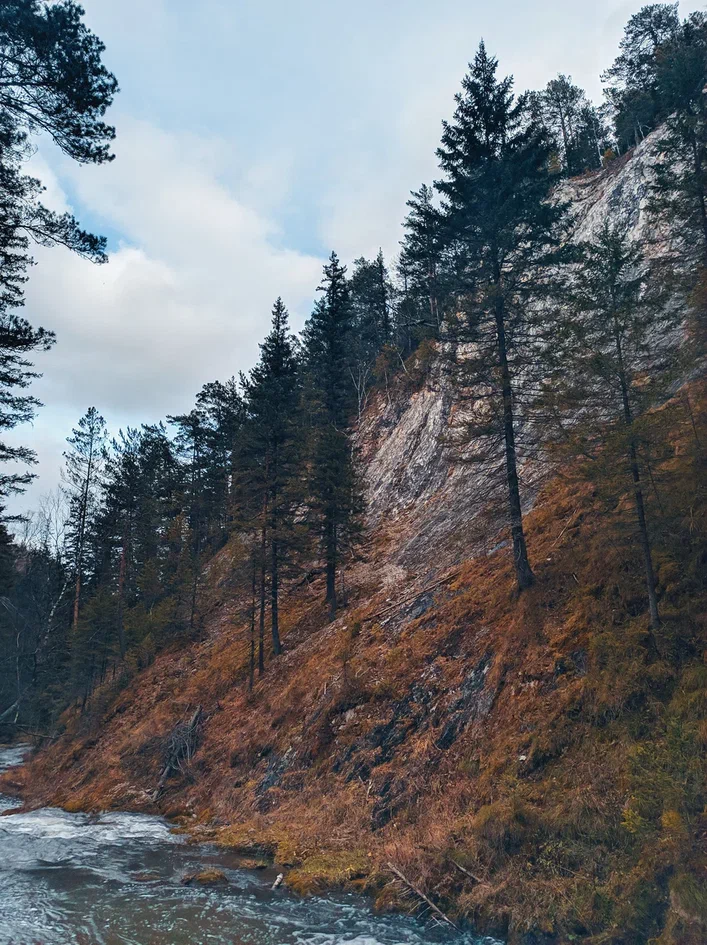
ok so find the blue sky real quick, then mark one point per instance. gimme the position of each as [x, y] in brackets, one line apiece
[254, 137]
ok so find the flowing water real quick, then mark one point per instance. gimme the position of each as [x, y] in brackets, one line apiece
[116, 879]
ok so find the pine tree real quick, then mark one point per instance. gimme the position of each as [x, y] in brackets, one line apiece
[573, 122]
[334, 499]
[680, 189]
[52, 82]
[371, 302]
[191, 444]
[612, 356]
[271, 457]
[223, 414]
[421, 266]
[17, 340]
[632, 84]
[495, 159]
[84, 464]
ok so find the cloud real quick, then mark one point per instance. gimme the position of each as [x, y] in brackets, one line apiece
[252, 139]
[184, 299]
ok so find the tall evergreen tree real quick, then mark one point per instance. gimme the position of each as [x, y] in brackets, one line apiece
[680, 188]
[271, 454]
[84, 465]
[334, 498]
[17, 339]
[52, 81]
[631, 83]
[613, 355]
[573, 122]
[371, 302]
[421, 263]
[495, 161]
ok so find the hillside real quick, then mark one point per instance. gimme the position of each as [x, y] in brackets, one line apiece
[530, 763]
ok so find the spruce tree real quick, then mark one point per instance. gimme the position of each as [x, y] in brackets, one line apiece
[631, 83]
[495, 160]
[271, 455]
[84, 465]
[334, 497]
[613, 354]
[679, 191]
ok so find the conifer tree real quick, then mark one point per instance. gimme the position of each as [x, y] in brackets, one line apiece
[495, 161]
[680, 189]
[17, 339]
[371, 302]
[84, 465]
[223, 413]
[334, 499]
[52, 81]
[271, 454]
[191, 443]
[631, 83]
[421, 260]
[613, 354]
[573, 122]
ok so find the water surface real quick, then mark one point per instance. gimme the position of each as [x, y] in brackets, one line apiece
[116, 879]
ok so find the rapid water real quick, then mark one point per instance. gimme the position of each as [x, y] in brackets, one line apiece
[116, 879]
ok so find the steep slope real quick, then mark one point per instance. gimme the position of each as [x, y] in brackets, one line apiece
[529, 763]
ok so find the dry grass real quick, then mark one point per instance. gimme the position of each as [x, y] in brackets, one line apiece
[568, 798]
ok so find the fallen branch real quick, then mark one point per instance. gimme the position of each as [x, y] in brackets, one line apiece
[9, 710]
[418, 892]
[570, 521]
[464, 870]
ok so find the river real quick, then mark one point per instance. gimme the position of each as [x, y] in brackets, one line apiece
[116, 879]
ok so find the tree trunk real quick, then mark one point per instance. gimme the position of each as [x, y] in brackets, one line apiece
[121, 596]
[261, 627]
[331, 569]
[699, 175]
[637, 489]
[251, 677]
[83, 515]
[524, 573]
[274, 592]
[77, 598]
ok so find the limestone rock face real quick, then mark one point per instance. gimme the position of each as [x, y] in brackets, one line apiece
[438, 506]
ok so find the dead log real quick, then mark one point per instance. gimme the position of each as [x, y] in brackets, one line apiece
[418, 892]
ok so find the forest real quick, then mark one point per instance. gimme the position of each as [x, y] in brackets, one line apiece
[113, 565]
[564, 357]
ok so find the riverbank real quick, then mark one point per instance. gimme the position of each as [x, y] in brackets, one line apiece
[534, 766]
[116, 878]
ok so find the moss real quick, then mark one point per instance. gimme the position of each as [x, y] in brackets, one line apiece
[504, 825]
[328, 870]
[206, 878]
[248, 863]
[244, 840]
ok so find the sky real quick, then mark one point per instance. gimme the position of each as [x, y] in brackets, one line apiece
[253, 137]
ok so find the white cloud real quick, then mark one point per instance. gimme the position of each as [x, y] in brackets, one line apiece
[185, 299]
[246, 132]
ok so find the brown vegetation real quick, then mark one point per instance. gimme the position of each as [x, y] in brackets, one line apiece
[531, 764]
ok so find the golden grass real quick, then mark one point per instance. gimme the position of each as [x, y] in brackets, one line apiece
[573, 802]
